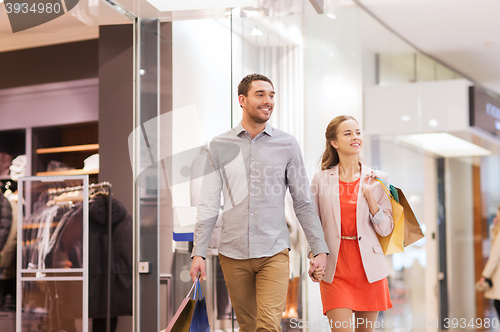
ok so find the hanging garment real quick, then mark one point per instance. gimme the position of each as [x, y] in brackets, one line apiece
[8, 252]
[5, 162]
[68, 251]
[121, 266]
[5, 220]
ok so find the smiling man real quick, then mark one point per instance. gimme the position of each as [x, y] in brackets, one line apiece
[254, 241]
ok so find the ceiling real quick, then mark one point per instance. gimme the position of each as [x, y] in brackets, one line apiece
[81, 23]
[463, 34]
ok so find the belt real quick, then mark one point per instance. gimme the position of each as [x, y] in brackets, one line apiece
[349, 237]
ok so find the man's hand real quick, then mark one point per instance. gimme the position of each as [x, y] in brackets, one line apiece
[198, 265]
[317, 267]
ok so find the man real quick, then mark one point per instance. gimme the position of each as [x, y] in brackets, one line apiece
[254, 164]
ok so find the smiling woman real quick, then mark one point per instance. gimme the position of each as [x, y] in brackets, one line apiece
[356, 268]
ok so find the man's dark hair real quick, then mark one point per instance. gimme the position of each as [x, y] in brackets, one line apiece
[247, 80]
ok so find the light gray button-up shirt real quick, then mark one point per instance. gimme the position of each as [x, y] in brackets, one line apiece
[254, 174]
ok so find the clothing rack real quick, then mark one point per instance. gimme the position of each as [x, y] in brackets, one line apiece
[110, 213]
[77, 188]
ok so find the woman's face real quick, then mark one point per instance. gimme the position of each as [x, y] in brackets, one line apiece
[349, 140]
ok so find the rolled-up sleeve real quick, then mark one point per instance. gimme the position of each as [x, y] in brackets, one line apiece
[303, 203]
[378, 217]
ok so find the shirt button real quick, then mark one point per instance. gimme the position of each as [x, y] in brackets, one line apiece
[360, 238]
[251, 213]
[253, 159]
[251, 233]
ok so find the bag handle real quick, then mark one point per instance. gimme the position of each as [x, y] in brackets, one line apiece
[389, 189]
[197, 290]
[384, 185]
[189, 293]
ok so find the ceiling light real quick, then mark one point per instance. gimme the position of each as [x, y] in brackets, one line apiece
[445, 145]
[256, 32]
[330, 8]
[405, 118]
[175, 5]
[433, 123]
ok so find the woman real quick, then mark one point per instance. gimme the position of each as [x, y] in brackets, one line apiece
[353, 207]
[491, 272]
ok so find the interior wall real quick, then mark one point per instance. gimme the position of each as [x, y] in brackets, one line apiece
[116, 104]
[47, 104]
[49, 64]
[430, 220]
[460, 244]
[116, 114]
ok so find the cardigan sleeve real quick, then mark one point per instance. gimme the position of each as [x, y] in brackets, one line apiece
[382, 221]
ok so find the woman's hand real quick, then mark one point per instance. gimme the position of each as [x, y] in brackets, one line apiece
[318, 274]
[369, 186]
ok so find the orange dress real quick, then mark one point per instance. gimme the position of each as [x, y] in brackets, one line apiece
[350, 287]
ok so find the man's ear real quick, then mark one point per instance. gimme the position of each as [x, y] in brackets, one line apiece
[241, 100]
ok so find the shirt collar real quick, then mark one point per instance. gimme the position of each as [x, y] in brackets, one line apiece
[239, 129]
[268, 130]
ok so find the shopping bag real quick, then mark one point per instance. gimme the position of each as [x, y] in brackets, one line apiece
[413, 232]
[199, 322]
[181, 322]
[292, 299]
[394, 242]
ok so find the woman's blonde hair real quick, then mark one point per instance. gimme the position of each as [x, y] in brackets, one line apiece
[330, 156]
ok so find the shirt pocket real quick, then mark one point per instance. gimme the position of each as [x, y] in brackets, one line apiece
[377, 249]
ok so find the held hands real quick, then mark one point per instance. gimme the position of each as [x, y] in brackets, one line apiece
[198, 266]
[317, 267]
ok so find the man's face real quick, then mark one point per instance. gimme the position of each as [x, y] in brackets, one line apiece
[259, 102]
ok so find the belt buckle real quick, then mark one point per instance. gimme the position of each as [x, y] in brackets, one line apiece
[353, 237]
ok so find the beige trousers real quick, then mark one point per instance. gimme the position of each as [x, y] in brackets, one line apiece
[257, 289]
